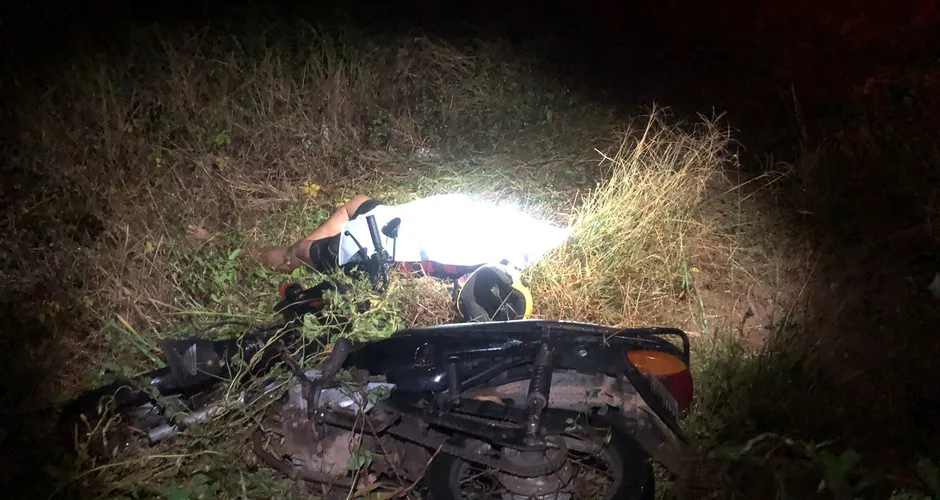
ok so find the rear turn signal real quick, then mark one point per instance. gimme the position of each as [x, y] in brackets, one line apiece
[670, 370]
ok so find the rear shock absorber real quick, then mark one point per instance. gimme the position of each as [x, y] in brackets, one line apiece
[540, 386]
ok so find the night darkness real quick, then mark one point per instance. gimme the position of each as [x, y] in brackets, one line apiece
[842, 96]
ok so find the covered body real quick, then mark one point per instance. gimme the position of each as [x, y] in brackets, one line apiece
[455, 230]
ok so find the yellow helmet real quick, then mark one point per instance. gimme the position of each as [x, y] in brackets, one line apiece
[493, 293]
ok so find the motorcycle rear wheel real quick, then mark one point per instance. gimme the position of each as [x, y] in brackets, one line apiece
[631, 474]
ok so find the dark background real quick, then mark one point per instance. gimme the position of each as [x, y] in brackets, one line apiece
[874, 205]
[733, 56]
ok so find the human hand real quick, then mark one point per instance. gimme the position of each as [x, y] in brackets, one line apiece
[277, 258]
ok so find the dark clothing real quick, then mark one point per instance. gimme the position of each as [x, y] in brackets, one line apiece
[324, 253]
[366, 207]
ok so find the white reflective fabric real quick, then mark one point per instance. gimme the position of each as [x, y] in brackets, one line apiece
[454, 229]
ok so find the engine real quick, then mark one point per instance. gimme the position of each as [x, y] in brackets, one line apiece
[335, 451]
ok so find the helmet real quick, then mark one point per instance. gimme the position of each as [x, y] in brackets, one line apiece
[492, 293]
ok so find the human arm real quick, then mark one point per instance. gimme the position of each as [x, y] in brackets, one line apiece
[290, 257]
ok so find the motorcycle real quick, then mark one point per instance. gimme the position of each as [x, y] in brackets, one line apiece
[514, 410]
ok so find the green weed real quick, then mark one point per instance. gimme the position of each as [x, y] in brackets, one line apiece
[180, 153]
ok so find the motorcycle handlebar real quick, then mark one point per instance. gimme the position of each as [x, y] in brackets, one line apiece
[377, 263]
[374, 233]
[378, 268]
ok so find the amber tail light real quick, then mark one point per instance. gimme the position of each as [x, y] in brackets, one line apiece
[670, 370]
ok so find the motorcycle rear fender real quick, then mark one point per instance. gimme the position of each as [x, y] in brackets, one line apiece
[654, 435]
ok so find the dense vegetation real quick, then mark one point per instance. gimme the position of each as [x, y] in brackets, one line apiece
[788, 239]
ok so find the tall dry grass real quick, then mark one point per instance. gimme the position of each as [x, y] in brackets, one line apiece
[637, 231]
[142, 171]
[119, 152]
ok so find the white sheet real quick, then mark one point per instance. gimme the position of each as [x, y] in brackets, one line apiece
[454, 229]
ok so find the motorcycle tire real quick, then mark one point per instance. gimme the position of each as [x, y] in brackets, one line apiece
[637, 480]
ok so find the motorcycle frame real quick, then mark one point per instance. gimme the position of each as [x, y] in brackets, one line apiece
[434, 368]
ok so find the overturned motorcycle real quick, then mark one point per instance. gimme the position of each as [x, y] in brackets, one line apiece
[531, 409]
[512, 410]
